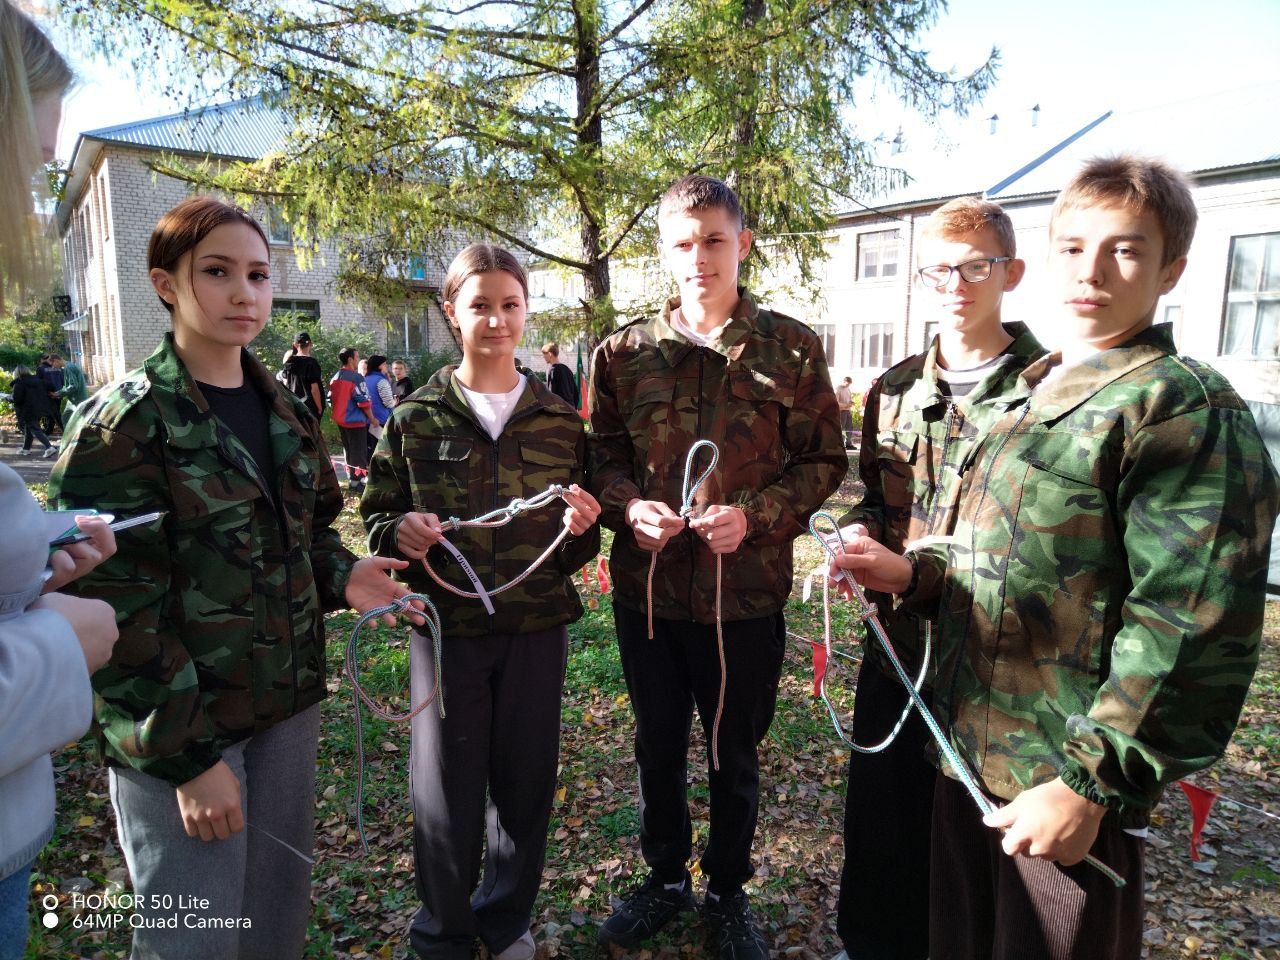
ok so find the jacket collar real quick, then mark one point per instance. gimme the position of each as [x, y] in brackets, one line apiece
[443, 388]
[1073, 386]
[190, 424]
[731, 342]
[1024, 349]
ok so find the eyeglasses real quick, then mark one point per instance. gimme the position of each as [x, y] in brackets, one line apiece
[971, 271]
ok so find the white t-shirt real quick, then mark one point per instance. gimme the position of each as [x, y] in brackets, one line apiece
[494, 409]
[692, 335]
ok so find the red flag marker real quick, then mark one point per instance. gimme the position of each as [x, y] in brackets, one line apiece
[1201, 801]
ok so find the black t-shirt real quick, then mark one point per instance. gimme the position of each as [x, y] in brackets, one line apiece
[246, 413]
[299, 374]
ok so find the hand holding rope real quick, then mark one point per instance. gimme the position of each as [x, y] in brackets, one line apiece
[949, 754]
[496, 518]
[688, 490]
[868, 611]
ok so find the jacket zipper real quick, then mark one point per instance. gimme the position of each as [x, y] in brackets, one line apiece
[702, 360]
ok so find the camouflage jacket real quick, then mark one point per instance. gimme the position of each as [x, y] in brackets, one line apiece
[220, 603]
[762, 394]
[1102, 610]
[435, 457]
[916, 441]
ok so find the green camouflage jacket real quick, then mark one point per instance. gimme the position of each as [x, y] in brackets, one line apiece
[916, 441]
[220, 603]
[1102, 610]
[435, 457]
[762, 394]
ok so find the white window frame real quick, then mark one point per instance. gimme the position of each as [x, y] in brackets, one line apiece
[873, 245]
[1249, 299]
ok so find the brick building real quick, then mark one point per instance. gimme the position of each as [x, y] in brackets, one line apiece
[113, 199]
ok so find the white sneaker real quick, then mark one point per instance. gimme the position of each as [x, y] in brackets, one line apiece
[50, 452]
[24, 453]
[522, 949]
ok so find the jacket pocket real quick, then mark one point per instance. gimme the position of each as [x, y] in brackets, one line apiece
[440, 472]
[762, 402]
[1066, 564]
[545, 462]
[896, 454]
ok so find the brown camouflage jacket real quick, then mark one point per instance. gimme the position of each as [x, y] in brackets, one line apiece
[1101, 612]
[220, 603]
[916, 442]
[435, 457]
[763, 395]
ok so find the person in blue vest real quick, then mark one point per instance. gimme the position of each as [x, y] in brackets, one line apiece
[380, 394]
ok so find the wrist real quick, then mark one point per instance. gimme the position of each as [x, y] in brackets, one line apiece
[910, 588]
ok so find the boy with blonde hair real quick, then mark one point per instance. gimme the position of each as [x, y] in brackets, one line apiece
[923, 419]
[1100, 612]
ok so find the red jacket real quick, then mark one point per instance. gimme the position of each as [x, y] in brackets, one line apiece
[340, 398]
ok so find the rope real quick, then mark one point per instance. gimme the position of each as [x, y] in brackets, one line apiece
[352, 670]
[498, 518]
[869, 610]
[953, 760]
[688, 490]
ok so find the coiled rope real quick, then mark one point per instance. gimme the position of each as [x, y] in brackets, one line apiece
[953, 760]
[352, 670]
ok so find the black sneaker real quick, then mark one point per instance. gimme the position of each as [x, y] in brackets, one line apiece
[736, 933]
[648, 909]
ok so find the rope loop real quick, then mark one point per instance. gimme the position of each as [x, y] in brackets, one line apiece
[825, 542]
[690, 488]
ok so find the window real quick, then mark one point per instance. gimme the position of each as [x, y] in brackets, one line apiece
[827, 334]
[872, 345]
[409, 331]
[310, 307]
[930, 331]
[1251, 325]
[278, 229]
[878, 254]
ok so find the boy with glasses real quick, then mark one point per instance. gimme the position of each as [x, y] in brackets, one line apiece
[1100, 611]
[923, 419]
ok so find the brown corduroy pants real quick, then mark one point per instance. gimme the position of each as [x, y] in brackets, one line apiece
[986, 905]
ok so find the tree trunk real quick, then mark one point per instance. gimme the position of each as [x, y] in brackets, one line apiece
[590, 132]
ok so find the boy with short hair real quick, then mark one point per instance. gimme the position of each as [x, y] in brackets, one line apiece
[1101, 611]
[560, 379]
[923, 419]
[712, 366]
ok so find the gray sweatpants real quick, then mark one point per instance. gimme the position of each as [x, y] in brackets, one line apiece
[500, 737]
[243, 898]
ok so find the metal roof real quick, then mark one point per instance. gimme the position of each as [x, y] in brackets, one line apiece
[243, 130]
[1202, 133]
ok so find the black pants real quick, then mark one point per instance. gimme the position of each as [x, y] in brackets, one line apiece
[667, 677]
[987, 905]
[31, 431]
[486, 773]
[883, 912]
[355, 446]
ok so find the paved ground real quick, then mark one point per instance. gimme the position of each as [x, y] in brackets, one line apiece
[32, 469]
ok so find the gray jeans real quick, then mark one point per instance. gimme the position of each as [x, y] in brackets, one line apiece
[244, 898]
